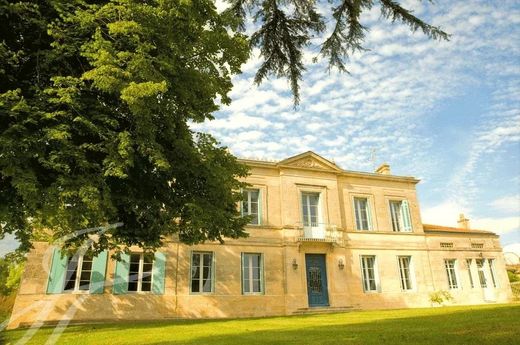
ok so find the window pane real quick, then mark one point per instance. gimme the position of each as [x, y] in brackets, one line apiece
[70, 275]
[132, 286]
[395, 212]
[146, 286]
[195, 284]
[207, 259]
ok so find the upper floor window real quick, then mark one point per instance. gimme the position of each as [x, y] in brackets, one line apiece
[79, 270]
[202, 272]
[450, 265]
[251, 205]
[405, 272]
[362, 211]
[369, 273]
[400, 215]
[140, 272]
[252, 273]
[310, 209]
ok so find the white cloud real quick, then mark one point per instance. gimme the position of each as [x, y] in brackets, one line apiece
[498, 225]
[509, 204]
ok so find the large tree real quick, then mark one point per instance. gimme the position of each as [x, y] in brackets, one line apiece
[96, 99]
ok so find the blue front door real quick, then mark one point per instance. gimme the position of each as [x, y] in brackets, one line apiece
[316, 280]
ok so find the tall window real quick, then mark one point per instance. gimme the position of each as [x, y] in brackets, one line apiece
[481, 274]
[362, 211]
[369, 273]
[469, 263]
[405, 272]
[451, 272]
[252, 275]
[79, 270]
[202, 272]
[491, 263]
[251, 205]
[140, 272]
[310, 202]
[400, 215]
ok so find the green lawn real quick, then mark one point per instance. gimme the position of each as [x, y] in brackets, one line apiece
[489, 324]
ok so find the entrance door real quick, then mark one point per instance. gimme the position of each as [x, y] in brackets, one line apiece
[316, 280]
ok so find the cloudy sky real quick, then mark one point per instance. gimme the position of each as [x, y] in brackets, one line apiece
[445, 112]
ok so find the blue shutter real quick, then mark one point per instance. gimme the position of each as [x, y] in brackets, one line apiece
[405, 215]
[121, 275]
[158, 273]
[97, 279]
[57, 272]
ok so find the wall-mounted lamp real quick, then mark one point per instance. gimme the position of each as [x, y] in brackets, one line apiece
[341, 264]
[294, 264]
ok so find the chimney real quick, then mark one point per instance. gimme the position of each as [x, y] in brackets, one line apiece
[463, 222]
[383, 169]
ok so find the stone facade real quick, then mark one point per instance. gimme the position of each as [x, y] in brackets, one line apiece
[285, 242]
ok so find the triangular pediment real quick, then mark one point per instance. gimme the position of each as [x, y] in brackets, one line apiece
[309, 160]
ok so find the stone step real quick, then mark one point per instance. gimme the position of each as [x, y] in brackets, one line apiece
[323, 310]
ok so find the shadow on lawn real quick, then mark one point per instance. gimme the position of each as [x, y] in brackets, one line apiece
[495, 326]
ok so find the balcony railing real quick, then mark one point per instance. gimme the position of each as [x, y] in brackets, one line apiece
[319, 232]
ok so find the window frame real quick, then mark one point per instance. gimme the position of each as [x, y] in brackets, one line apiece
[482, 269]
[140, 273]
[79, 271]
[212, 275]
[452, 275]
[259, 206]
[411, 272]
[261, 274]
[369, 213]
[376, 274]
[401, 220]
[469, 264]
[492, 272]
[319, 216]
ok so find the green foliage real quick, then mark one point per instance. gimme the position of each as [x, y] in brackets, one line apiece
[95, 101]
[513, 277]
[11, 269]
[440, 297]
[286, 27]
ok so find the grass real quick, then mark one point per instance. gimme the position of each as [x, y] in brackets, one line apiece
[488, 324]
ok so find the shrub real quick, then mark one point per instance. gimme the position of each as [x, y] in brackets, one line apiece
[440, 297]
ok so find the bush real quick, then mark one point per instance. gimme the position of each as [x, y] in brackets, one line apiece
[440, 297]
[513, 277]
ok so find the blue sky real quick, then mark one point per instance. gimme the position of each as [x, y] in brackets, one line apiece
[445, 112]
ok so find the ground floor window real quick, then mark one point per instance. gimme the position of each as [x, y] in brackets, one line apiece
[369, 273]
[202, 272]
[140, 273]
[469, 263]
[252, 273]
[491, 263]
[79, 270]
[405, 272]
[481, 273]
[450, 265]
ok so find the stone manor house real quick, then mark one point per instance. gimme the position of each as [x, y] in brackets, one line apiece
[321, 238]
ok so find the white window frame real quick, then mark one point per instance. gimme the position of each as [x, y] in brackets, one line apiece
[469, 264]
[250, 277]
[450, 265]
[398, 225]
[141, 273]
[483, 284]
[370, 221]
[364, 274]
[308, 206]
[411, 273]
[492, 272]
[201, 281]
[259, 207]
[79, 270]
